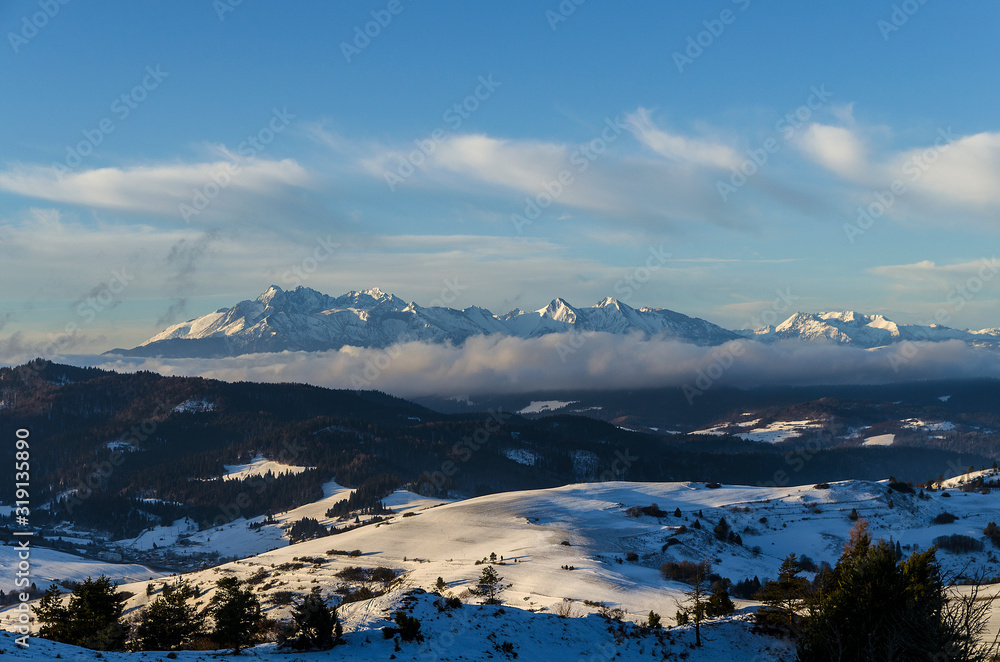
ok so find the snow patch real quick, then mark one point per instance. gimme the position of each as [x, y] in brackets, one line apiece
[521, 456]
[538, 406]
[918, 424]
[260, 466]
[195, 405]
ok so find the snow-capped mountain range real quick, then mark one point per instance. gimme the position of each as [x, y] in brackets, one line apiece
[306, 320]
[867, 331]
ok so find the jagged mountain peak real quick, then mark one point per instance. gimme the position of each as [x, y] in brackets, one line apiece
[373, 292]
[269, 294]
[304, 319]
[307, 320]
[560, 310]
[611, 302]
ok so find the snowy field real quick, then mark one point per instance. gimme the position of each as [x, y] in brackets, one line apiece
[879, 440]
[260, 466]
[615, 558]
[49, 565]
[772, 433]
[539, 406]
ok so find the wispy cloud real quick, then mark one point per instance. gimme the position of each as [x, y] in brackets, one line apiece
[678, 148]
[927, 275]
[951, 173]
[605, 175]
[157, 189]
[183, 261]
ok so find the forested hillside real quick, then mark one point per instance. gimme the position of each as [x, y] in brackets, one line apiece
[121, 452]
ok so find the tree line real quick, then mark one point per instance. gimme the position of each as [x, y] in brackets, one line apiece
[93, 617]
[874, 604]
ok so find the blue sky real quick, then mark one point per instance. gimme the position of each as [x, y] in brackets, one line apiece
[117, 116]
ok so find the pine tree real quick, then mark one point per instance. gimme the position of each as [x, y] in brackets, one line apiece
[721, 530]
[719, 603]
[874, 607]
[53, 616]
[407, 627]
[440, 584]
[170, 622]
[697, 597]
[237, 613]
[92, 619]
[783, 598]
[316, 625]
[489, 586]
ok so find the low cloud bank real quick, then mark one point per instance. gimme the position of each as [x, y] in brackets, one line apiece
[578, 361]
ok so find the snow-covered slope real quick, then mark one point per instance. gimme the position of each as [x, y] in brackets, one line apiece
[477, 632]
[615, 555]
[306, 320]
[50, 565]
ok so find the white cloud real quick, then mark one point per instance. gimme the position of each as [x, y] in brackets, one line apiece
[605, 173]
[601, 361]
[963, 171]
[681, 149]
[158, 189]
[529, 168]
[837, 149]
[947, 174]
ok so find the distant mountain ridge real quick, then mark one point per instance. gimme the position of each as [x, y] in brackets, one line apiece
[866, 331]
[306, 320]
